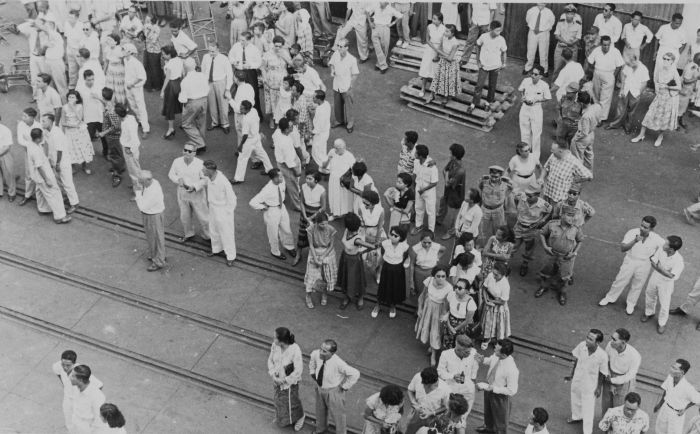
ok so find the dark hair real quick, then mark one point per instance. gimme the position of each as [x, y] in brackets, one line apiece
[401, 231]
[605, 38]
[584, 97]
[88, 73]
[457, 151]
[463, 260]
[370, 196]
[332, 345]
[637, 14]
[175, 24]
[438, 268]
[260, 25]
[240, 75]
[352, 222]
[502, 268]
[283, 124]
[278, 39]
[611, 6]
[507, 233]
[115, 37]
[439, 15]
[36, 133]
[210, 164]
[429, 375]
[633, 398]
[320, 217]
[246, 104]
[685, 365]
[120, 110]
[49, 116]
[107, 93]
[495, 24]
[247, 35]
[273, 173]
[538, 67]
[676, 16]
[453, 29]
[84, 53]
[289, 79]
[297, 47]
[169, 50]
[457, 403]
[411, 136]
[315, 173]
[465, 238]
[391, 394]
[298, 86]
[540, 415]
[567, 53]
[112, 415]
[82, 373]
[675, 242]
[598, 335]
[291, 114]
[427, 233]
[69, 355]
[624, 334]
[30, 111]
[321, 95]
[77, 95]
[422, 151]
[46, 78]
[359, 168]
[650, 219]
[563, 145]
[506, 345]
[405, 178]
[284, 336]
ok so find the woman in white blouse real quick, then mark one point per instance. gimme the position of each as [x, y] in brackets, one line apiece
[424, 255]
[383, 410]
[469, 215]
[174, 70]
[392, 280]
[460, 312]
[285, 366]
[495, 295]
[524, 169]
[372, 215]
[428, 63]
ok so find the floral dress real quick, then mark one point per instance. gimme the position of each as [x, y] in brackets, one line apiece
[79, 144]
[274, 70]
[114, 76]
[663, 111]
[446, 81]
[497, 247]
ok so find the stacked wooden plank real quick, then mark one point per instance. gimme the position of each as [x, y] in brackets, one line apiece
[409, 58]
[457, 109]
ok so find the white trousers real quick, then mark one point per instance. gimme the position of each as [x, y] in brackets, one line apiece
[137, 103]
[537, 42]
[68, 413]
[661, 290]
[222, 231]
[319, 148]
[668, 421]
[633, 273]
[425, 204]
[531, 126]
[65, 181]
[193, 203]
[255, 149]
[50, 200]
[57, 69]
[37, 65]
[582, 404]
[603, 88]
[279, 230]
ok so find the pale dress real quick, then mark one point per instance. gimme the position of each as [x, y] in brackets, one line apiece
[114, 76]
[430, 312]
[663, 111]
[340, 199]
[427, 66]
[274, 70]
[80, 146]
[372, 233]
[496, 318]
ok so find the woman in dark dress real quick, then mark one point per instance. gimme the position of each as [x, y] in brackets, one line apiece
[392, 280]
[351, 269]
[174, 70]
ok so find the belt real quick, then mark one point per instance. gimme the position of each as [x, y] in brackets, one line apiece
[525, 176]
[669, 406]
[492, 207]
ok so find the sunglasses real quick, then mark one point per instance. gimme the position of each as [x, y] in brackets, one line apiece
[535, 74]
[188, 151]
[461, 287]
[573, 193]
[668, 59]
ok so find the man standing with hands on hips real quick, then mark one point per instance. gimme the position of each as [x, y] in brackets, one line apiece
[334, 378]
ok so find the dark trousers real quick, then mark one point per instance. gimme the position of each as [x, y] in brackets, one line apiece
[93, 129]
[566, 130]
[496, 412]
[625, 108]
[613, 395]
[493, 81]
[473, 35]
[154, 73]
[422, 13]
[115, 155]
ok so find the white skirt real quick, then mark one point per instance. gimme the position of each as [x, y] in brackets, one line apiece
[427, 66]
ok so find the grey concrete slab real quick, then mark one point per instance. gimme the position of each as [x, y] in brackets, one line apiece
[20, 353]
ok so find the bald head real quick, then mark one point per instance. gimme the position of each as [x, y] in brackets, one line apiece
[190, 64]
[339, 145]
[146, 177]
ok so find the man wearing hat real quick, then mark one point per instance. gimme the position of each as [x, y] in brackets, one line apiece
[561, 241]
[568, 34]
[134, 79]
[634, 78]
[533, 213]
[583, 211]
[534, 91]
[570, 111]
[494, 189]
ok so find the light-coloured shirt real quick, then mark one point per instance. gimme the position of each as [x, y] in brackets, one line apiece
[461, 308]
[615, 422]
[69, 390]
[94, 66]
[250, 126]
[606, 62]
[537, 92]
[671, 264]
[588, 366]
[491, 49]
[86, 406]
[344, 68]
[546, 16]
[310, 80]
[611, 27]
[481, 12]
[253, 56]
[624, 365]
[382, 17]
[194, 86]
[271, 196]
[24, 136]
[425, 174]
[435, 400]
[220, 193]
[645, 249]
[634, 36]
[92, 43]
[322, 119]
[150, 200]
[5, 139]
[31, 33]
[530, 429]
[284, 149]
[279, 360]
[37, 159]
[134, 72]
[469, 219]
[506, 375]
[244, 92]
[54, 47]
[497, 288]
[129, 137]
[569, 32]
[48, 101]
[570, 73]
[450, 365]
[670, 39]
[394, 254]
[182, 43]
[336, 373]
[426, 258]
[93, 108]
[74, 35]
[175, 68]
[359, 13]
[634, 80]
[680, 395]
[222, 69]
[191, 173]
[131, 26]
[57, 142]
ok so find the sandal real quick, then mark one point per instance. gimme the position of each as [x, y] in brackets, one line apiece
[375, 312]
[309, 302]
[344, 303]
[324, 299]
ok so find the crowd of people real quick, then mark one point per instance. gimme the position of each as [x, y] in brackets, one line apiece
[88, 84]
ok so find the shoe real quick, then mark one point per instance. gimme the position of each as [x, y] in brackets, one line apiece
[153, 267]
[309, 302]
[116, 180]
[415, 230]
[338, 125]
[646, 317]
[350, 130]
[447, 236]
[603, 302]
[24, 201]
[144, 136]
[562, 299]
[210, 254]
[546, 74]
[344, 303]
[677, 311]
[229, 263]
[697, 327]
[525, 72]
[292, 253]
[211, 127]
[484, 429]
[296, 261]
[572, 421]
[65, 219]
[71, 209]
[383, 71]
[392, 312]
[11, 198]
[324, 299]
[523, 269]
[611, 126]
[281, 256]
[201, 150]
[540, 291]
[364, 60]
[421, 94]
[299, 424]
[227, 130]
[629, 310]
[360, 304]
[637, 139]
[571, 280]
[87, 171]
[470, 108]
[236, 182]
[658, 141]
[255, 166]
[661, 329]
[170, 135]
[184, 239]
[688, 218]
[375, 312]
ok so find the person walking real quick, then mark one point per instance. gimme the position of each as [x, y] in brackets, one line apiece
[48, 194]
[624, 361]
[381, 19]
[194, 90]
[638, 244]
[678, 396]
[285, 366]
[540, 21]
[60, 159]
[626, 418]
[691, 300]
[500, 386]
[217, 69]
[590, 367]
[270, 200]
[186, 173]
[634, 78]
[344, 71]
[7, 164]
[150, 201]
[222, 204]
[333, 379]
[607, 62]
[667, 265]
[534, 92]
[62, 368]
[288, 160]
[174, 70]
[251, 143]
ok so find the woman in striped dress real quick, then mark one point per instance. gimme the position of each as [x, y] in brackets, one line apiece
[321, 264]
[80, 146]
[114, 69]
[351, 270]
[274, 69]
[313, 201]
[495, 320]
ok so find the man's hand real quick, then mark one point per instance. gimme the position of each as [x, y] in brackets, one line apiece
[227, 94]
[597, 392]
[568, 378]
[548, 250]
[570, 255]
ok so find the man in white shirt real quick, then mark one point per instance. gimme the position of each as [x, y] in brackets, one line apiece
[381, 18]
[607, 62]
[57, 145]
[37, 63]
[93, 108]
[130, 26]
[590, 363]
[572, 72]
[53, 57]
[129, 139]
[321, 128]
[288, 159]
[636, 36]
[667, 266]
[491, 51]
[482, 13]
[217, 69]
[48, 100]
[150, 201]
[626, 418]
[672, 39]
[270, 200]
[48, 195]
[184, 46]
[624, 361]
[7, 164]
[88, 61]
[458, 368]
[244, 56]
[568, 34]
[91, 42]
[244, 92]
[24, 129]
[634, 78]
[356, 19]
[62, 369]
[638, 244]
[540, 21]
[538, 422]
[344, 71]
[534, 92]
[500, 386]
[222, 204]
[608, 24]
[134, 79]
[194, 90]
[87, 400]
[251, 143]
[426, 175]
[186, 173]
[333, 378]
[73, 31]
[679, 395]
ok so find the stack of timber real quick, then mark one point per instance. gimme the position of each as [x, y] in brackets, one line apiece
[409, 58]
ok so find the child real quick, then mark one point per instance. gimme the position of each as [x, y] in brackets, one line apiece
[538, 421]
[407, 155]
[284, 102]
[590, 41]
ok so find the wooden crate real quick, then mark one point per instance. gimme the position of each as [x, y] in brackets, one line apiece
[467, 95]
[454, 111]
[409, 58]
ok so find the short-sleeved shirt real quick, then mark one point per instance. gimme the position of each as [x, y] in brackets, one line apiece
[48, 101]
[670, 39]
[643, 250]
[425, 174]
[251, 127]
[561, 239]
[401, 199]
[394, 254]
[382, 17]
[635, 35]
[481, 13]
[344, 68]
[672, 264]
[634, 79]
[426, 258]
[537, 92]
[491, 49]
[606, 62]
[680, 395]
[611, 27]
[615, 422]
[498, 288]
[568, 31]
[182, 43]
[284, 149]
[572, 72]
[588, 366]
[560, 175]
[570, 109]
[531, 214]
[434, 400]
[582, 210]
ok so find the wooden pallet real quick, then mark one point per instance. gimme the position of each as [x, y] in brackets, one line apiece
[409, 58]
[503, 100]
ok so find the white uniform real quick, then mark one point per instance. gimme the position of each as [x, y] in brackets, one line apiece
[24, 138]
[531, 115]
[57, 141]
[250, 126]
[271, 201]
[86, 409]
[222, 204]
[48, 199]
[540, 23]
[321, 132]
[134, 72]
[677, 398]
[191, 202]
[635, 267]
[69, 392]
[661, 287]
[425, 203]
[584, 383]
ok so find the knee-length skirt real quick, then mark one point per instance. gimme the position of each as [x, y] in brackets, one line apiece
[495, 322]
[326, 272]
[80, 146]
[171, 105]
[303, 237]
[428, 324]
[351, 275]
[392, 284]
[446, 81]
[663, 112]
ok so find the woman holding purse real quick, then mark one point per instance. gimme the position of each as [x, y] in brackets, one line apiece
[285, 367]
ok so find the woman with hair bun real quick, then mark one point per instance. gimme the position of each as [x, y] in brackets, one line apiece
[113, 419]
[285, 367]
[383, 410]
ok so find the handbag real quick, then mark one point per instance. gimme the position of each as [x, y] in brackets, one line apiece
[288, 369]
[346, 179]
